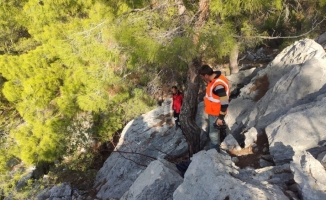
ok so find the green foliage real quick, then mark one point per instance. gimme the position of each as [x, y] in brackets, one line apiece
[231, 8]
[217, 41]
[140, 103]
[66, 59]
[74, 67]
[322, 3]
[12, 30]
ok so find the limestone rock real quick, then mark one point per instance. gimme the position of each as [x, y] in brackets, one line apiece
[62, 191]
[277, 175]
[322, 158]
[265, 163]
[144, 139]
[157, 181]
[322, 40]
[301, 129]
[310, 176]
[292, 69]
[238, 111]
[251, 137]
[230, 143]
[208, 177]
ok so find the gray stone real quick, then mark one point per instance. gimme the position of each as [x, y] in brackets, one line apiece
[286, 74]
[13, 161]
[310, 176]
[144, 139]
[322, 158]
[157, 181]
[208, 177]
[318, 150]
[300, 130]
[250, 56]
[265, 163]
[292, 195]
[260, 51]
[23, 181]
[44, 194]
[322, 40]
[238, 110]
[267, 157]
[243, 77]
[229, 143]
[293, 187]
[277, 175]
[235, 159]
[251, 137]
[60, 192]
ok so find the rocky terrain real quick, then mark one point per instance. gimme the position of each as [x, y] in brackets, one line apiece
[275, 148]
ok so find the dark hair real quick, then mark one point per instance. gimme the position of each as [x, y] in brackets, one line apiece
[206, 69]
[175, 87]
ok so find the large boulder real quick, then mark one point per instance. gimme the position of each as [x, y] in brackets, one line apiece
[238, 111]
[322, 40]
[149, 137]
[279, 100]
[211, 176]
[240, 79]
[63, 191]
[293, 75]
[277, 175]
[158, 181]
[301, 129]
[310, 176]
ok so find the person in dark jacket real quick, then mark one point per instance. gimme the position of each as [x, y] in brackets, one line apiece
[177, 97]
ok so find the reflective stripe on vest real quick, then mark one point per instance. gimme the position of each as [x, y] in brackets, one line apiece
[210, 96]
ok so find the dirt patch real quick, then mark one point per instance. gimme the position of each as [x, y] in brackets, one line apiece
[250, 156]
[167, 118]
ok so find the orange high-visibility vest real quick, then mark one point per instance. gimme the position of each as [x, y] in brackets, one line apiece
[212, 101]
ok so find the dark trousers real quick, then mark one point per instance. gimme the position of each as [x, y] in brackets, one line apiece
[176, 118]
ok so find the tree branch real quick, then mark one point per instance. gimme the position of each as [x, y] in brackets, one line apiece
[150, 7]
[183, 59]
[285, 37]
[121, 153]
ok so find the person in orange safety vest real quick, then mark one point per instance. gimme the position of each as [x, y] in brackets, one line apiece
[216, 102]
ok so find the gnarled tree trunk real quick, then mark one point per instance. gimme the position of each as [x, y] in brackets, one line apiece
[189, 106]
[189, 109]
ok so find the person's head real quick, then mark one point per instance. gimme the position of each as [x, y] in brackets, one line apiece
[174, 89]
[206, 72]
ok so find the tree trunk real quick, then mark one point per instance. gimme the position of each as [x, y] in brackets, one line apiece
[189, 109]
[189, 104]
[234, 68]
